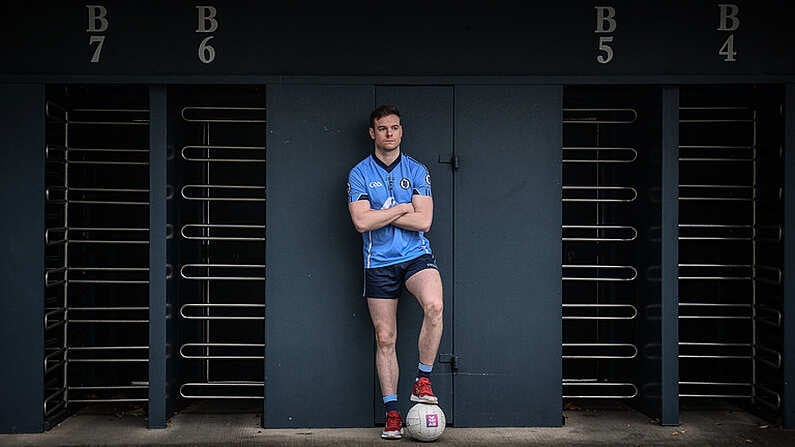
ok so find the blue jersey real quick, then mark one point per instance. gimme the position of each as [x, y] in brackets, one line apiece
[385, 186]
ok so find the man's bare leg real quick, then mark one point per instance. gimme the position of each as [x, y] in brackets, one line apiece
[426, 286]
[383, 313]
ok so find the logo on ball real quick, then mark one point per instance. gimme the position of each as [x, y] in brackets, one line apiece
[425, 422]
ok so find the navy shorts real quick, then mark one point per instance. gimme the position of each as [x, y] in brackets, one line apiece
[387, 282]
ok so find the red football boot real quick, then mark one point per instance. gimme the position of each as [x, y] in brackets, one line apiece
[394, 426]
[422, 392]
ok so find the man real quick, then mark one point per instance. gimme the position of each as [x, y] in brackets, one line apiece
[389, 198]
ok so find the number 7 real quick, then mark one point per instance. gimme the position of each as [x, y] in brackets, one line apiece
[96, 39]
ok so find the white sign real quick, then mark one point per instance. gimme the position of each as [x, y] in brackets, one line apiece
[207, 24]
[605, 23]
[729, 20]
[97, 23]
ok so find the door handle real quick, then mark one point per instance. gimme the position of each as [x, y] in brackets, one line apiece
[449, 159]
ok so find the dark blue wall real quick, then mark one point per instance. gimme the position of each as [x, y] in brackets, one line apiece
[669, 309]
[319, 342]
[508, 256]
[158, 318]
[504, 294]
[22, 254]
[148, 37]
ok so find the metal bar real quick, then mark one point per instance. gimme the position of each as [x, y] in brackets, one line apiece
[207, 227]
[776, 363]
[703, 146]
[710, 232]
[774, 316]
[607, 346]
[50, 397]
[223, 266]
[184, 112]
[104, 348]
[58, 241]
[142, 360]
[111, 387]
[568, 383]
[50, 107]
[597, 190]
[777, 230]
[633, 272]
[777, 272]
[747, 395]
[714, 345]
[713, 121]
[106, 400]
[185, 189]
[773, 405]
[109, 149]
[222, 345]
[223, 148]
[589, 115]
[106, 116]
[182, 311]
[711, 306]
[631, 233]
[598, 151]
[720, 193]
[633, 309]
[736, 277]
[259, 396]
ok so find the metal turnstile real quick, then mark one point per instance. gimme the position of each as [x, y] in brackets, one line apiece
[600, 273]
[730, 239]
[221, 154]
[96, 317]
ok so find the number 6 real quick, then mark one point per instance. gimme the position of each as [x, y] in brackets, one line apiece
[603, 46]
[206, 51]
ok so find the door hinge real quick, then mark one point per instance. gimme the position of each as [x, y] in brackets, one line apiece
[451, 359]
[449, 159]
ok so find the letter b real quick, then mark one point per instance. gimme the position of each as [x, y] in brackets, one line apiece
[605, 19]
[728, 12]
[207, 22]
[97, 21]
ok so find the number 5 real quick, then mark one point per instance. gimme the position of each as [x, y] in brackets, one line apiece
[603, 46]
[98, 51]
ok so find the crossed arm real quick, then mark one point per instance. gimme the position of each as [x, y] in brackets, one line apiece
[414, 216]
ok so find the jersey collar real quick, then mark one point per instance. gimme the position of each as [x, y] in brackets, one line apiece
[387, 168]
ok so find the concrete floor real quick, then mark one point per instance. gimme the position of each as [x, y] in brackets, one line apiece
[612, 424]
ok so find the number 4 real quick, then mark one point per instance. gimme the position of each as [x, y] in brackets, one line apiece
[98, 51]
[728, 49]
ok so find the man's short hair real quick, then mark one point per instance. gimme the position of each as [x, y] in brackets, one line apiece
[382, 111]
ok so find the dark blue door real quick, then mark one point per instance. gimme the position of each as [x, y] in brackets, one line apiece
[507, 214]
[494, 156]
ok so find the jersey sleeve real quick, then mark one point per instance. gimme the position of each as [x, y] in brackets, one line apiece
[356, 186]
[421, 182]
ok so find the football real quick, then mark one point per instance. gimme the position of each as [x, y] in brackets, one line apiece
[425, 422]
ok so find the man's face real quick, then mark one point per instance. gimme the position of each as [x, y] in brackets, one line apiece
[387, 133]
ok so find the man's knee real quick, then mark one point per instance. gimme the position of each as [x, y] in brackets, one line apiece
[434, 309]
[385, 339]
